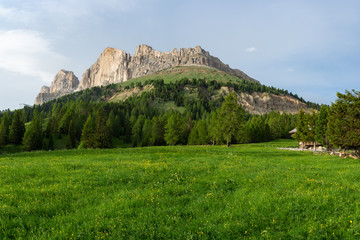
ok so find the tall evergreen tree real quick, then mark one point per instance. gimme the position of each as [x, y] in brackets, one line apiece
[321, 126]
[102, 134]
[137, 135]
[33, 137]
[301, 126]
[71, 137]
[158, 131]
[231, 117]
[17, 129]
[4, 130]
[173, 129]
[344, 121]
[88, 133]
[146, 132]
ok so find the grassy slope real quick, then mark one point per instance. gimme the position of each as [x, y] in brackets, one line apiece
[183, 192]
[190, 72]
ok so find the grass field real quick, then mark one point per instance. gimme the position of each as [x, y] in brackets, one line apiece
[249, 191]
[189, 72]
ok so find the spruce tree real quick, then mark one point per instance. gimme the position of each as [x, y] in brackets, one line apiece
[321, 126]
[4, 130]
[146, 132]
[71, 137]
[17, 128]
[231, 118]
[137, 134]
[102, 134]
[51, 144]
[88, 133]
[301, 126]
[173, 129]
[33, 137]
[344, 121]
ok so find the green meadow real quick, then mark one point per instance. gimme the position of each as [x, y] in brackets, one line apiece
[249, 191]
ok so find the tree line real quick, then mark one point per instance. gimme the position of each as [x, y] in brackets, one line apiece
[335, 126]
[81, 124]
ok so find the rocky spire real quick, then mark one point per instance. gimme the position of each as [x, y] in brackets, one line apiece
[65, 82]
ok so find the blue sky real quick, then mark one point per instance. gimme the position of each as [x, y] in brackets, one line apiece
[311, 48]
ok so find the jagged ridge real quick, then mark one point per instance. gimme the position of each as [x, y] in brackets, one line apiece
[114, 66]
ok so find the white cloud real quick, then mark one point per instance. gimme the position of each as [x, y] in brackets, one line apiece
[14, 15]
[291, 70]
[29, 53]
[251, 49]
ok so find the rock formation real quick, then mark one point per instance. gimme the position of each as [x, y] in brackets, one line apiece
[65, 82]
[116, 66]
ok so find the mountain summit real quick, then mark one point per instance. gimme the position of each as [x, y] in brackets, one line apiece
[114, 66]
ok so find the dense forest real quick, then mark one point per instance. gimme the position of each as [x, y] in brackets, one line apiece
[335, 126]
[79, 120]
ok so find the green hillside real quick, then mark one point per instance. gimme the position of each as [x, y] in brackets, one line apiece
[184, 192]
[189, 72]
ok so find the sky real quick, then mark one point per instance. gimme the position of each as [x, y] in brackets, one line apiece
[311, 48]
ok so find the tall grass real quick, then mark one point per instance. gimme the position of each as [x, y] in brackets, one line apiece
[183, 192]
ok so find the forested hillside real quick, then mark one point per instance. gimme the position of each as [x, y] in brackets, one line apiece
[179, 112]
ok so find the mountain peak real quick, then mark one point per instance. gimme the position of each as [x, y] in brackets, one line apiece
[114, 66]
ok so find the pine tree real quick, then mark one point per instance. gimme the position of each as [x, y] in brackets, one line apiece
[33, 137]
[102, 134]
[231, 117]
[4, 130]
[137, 134]
[301, 126]
[146, 132]
[88, 133]
[51, 142]
[65, 122]
[158, 131]
[71, 137]
[173, 131]
[17, 128]
[194, 135]
[344, 121]
[321, 126]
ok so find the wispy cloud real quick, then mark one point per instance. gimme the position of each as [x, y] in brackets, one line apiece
[15, 15]
[251, 49]
[291, 70]
[29, 53]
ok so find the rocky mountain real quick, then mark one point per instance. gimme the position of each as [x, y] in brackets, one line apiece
[65, 82]
[114, 66]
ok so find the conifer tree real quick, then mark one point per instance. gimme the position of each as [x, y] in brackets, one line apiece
[102, 134]
[301, 126]
[51, 144]
[4, 130]
[344, 121]
[173, 131]
[146, 132]
[321, 126]
[88, 133]
[17, 128]
[71, 137]
[137, 134]
[158, 131]
[33, 137]
[231, 117]
[215, 128]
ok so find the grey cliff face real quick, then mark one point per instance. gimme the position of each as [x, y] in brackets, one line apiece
[65, 82]
[114, 66]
